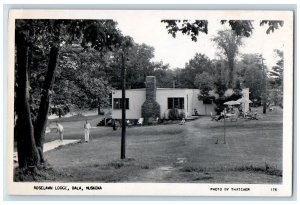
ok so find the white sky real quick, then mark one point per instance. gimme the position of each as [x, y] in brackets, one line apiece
[178, 51]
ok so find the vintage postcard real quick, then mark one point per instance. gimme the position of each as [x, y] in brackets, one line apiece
[150, 102]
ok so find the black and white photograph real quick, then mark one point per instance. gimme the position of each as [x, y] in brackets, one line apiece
[142, 102]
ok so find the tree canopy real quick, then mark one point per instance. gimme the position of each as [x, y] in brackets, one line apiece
[228, 43]
[38, 44]
[194, 27]
[276, 79]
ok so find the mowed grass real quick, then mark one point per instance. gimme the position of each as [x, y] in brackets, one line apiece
[176, 153]
[73, 126]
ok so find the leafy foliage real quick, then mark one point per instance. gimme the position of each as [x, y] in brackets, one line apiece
[277, 70]
[252, 76]
[198, 64]
[241, 27]
[176, 114]
[205, 83]
[138, 65]
[84, 43]
[36, 39]
[164, 75]
[81, 81]
[191, 28]
[272, 25]
[229, 43]
[221, 100]
[276, 79]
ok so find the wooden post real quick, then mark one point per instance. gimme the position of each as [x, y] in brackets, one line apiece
[123, 135]
[264, 86]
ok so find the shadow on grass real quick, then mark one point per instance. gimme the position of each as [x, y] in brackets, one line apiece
[267, 169]
[196, 176]
[118, 164]
[40, 173]
[114, 171]
[110, 172]
[74, 118]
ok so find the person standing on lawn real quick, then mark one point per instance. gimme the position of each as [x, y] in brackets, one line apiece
[60, 130]
[87, 127]
[222, 115]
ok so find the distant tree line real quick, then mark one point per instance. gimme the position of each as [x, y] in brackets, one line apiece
[229, 72]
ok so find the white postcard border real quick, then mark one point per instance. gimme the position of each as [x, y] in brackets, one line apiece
[162, 189]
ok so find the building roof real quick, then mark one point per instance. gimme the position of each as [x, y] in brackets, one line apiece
[144, 89]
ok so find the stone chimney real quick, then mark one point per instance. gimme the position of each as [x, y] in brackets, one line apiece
[150, 108]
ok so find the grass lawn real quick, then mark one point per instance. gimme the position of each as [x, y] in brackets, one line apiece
[174, 153]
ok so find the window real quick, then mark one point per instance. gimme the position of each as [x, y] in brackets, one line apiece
[176, 103]
[118, 103]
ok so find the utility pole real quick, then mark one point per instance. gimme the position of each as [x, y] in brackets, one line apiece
[264, 86]
[123, 134]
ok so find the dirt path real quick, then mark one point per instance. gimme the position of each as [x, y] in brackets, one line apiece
[157, 175]
[160, 174]
[163, 173]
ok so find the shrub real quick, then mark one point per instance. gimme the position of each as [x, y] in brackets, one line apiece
[182, 115]
[221, 100]
[101, 113]
[174, 114]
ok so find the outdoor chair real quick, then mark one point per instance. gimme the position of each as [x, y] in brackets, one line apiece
[140, 121]
[242, 114]
[182, 122]
[234, 117]
[155, 121]
[129, 123]
[252, 116]
[213, 117]
[152, 121]
[228, 117]
[271, 108]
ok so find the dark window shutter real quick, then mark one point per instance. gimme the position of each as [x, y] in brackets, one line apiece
[170, 103]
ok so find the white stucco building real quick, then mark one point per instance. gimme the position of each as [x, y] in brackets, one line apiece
[157, 102]
[185, 100]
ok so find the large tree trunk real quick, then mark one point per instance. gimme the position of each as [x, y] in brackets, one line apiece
[99, 106]
[231, 73]
[41, 122]
[99, 110]
[27, 152]
[264, 107]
